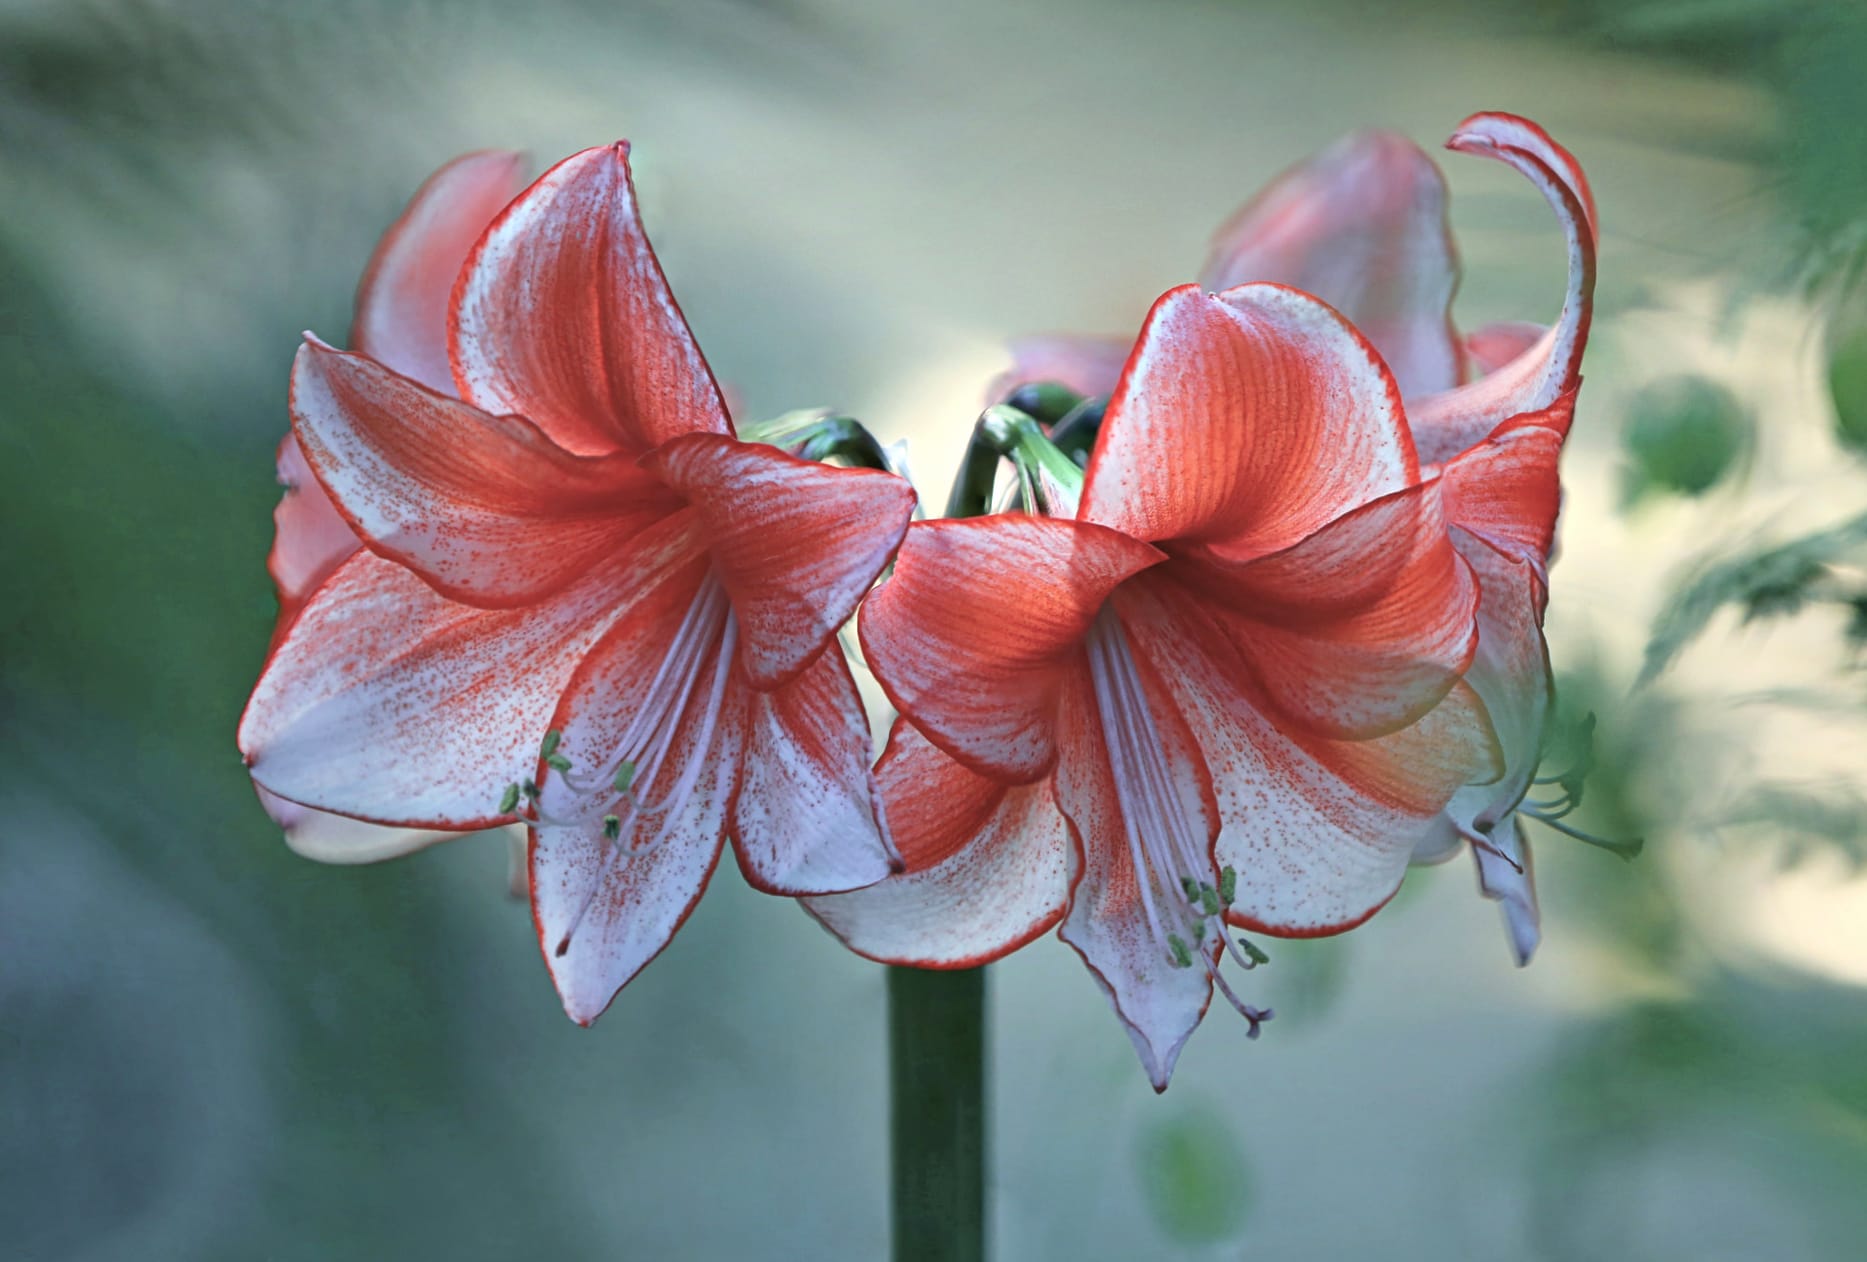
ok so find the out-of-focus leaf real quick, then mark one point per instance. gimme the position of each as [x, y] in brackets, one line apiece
[1803, 822]
[1767, 582]
[1847, 386]
[1683, 435]
[1193, 1176]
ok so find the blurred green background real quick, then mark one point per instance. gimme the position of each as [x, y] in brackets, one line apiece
[210, 1048]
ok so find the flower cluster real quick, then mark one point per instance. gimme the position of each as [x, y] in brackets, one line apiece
[1276, 634]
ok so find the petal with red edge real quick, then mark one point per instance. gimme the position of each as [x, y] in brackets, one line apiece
[1359, 629]
[402, 302]
[1110, 923]
[807, 819]
[1448, 423]
[988, 864]
[1507, 489]
[327, 838]
[1318, 831]
[604, 908]
[310, 537]
[1362, 225]
[796, 543]
[972, 635]
[486, 508]
[1086, 364]
[387, 702]
[1248, 418]
[562, 315]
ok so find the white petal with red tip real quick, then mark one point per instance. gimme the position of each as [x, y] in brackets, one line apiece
[562, 315]
[1506, 876]
[485, 508]
[1448, 423]
[806, 820]
[972, 635]
[402, 303]
[1362, 226]
[1246, 419]
[988, 864]
[796, 543]
[388, 702]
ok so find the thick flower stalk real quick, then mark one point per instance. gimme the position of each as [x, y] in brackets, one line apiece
[582, 602]
[1221, 691]
[1363, 226]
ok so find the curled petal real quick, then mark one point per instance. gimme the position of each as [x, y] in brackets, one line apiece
[796, 543]
[1362, 226]
[1247, 420]
[310, 537]
[972, 636]
[402, 302]
[1319, 831]
[327, 838]
[1114, 909]
[1359, 629]
[386, 702]
[808, 818]
[485, 508]
[562, 315]
[1507, 488]
[1084, 363]
[1448, 423]
[988, 864]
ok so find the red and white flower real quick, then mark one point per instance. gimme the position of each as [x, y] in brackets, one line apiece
[1225, 693]
[576, 579]
[1363, 226]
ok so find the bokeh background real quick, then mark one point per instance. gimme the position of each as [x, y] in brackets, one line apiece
[210, 1048]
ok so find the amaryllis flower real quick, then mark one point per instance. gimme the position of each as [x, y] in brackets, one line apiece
[401, 322]
[1363, 226]
[1225, 693]
[583, 602]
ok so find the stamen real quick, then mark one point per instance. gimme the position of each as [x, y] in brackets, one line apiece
[1164, 846]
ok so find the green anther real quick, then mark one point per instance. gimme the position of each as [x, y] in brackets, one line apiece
[1253, 951]
[1228, 885]
[612, 827]
[557, 762]
[1199, 932]
[625, 776]
[550, 744]
[1182, 958]
[529, 789]
[1209, 900]
[1191, 887]
[509, 799]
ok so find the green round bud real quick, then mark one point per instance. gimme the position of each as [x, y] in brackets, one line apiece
[1847, 386]
[1683, 434]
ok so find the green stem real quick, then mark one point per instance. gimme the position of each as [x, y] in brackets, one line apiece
[936, 1083]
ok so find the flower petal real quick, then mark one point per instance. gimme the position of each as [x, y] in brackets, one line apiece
[562, 315]
[1359, 629]
[1087, 364]
[604, 908]
[325, 837]
[1448, 423]
[1495, 345]
[1319, 831]
[808, 817]
[486, 508]
[796, 543]
[387, 702]
[1506, 876]
[402, 302]
[988, 864]
[1248, 418]
[1362, 225]
[1507, 488]
[1109, 923]
[310, 537]
[971, 636]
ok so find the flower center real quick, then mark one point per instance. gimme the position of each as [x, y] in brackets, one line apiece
[1184, 904]
[635, 791]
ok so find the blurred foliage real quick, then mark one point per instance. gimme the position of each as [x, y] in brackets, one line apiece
[1803, 822]
[1683, 435]
[1194, 1176]
[1847, 384]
